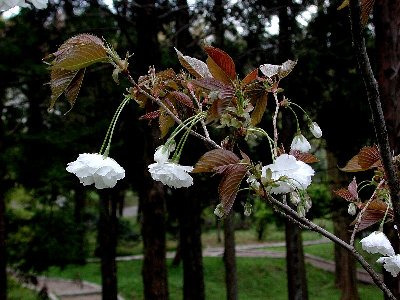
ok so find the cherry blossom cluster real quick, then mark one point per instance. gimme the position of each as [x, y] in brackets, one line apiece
[377, 242]
[8, 4]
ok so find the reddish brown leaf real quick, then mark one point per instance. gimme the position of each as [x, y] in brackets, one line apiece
[345, 194]
[150, 116]
[366, 8]
[367, 158]
[250, 77]
[223, 61]
[353, 188]
[216, 110]
[72, 91]
[229, 185]
[165, 122]
[217, 72]
[215, 158]
[195, 66]
[210, 84]
[373, 214]
[259, 110]
[227, 93]
[182, 98]
[307, 158]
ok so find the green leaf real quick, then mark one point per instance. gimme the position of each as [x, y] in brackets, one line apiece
[213, 159]
[229, 185]
[79, 52]
[194, 66]
[223, 61]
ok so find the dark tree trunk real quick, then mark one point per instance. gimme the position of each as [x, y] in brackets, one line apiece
[190, 243]
[3, 273]
[230, 257]
[183, 38]
[218, 22]
[78, 209]
[108, 241]
[345, 267]
[295, 265]
[386, 19]
[153, 212]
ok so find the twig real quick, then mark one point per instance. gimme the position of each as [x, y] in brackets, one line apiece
[169, 112]
[275, 125]
[371, 87]
[362, 212]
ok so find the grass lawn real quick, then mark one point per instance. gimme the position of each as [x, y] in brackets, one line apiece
[16, 292]
[259, 278]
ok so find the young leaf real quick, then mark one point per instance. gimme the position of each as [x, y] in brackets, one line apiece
[165, 122]
[250, 77]
[373, 214]
[223, 61]
[307, 158]
[259, 110]
[217, 72]
[286, 68]
[79, 52]
[214, 159]
[349, 194]
[269, 70]
[367, 158]
[216, 109]
[353, 188]
[281, 71]
[64, 81]
[210, 84]
[194, 66]
[229, 185]
[150, 116]
[182, 98]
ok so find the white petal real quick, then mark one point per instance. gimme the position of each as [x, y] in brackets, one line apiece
[377, 242]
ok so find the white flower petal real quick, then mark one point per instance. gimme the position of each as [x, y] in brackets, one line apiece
[289, 174]
[94, 168]
[171, 174]
[377, 242]
[391, 264]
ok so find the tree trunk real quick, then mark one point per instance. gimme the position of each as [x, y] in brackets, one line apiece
[3, 273]
[108, 243]
[78, 209]
[153, 212]
[230, 257]
[345, 267]
[386, 19]
[190, 243]
[295, 265]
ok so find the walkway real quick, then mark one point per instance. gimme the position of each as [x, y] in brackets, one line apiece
[83, 290]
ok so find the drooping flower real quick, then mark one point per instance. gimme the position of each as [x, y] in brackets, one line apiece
[391, 264]
[91, 168]
[352, 209]
[315, 130]
[8, 4]
[171, 174]
[377, 242]
[162, 153]
[289, 174]
[300, 143]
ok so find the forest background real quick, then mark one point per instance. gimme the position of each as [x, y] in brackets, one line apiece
[47, 213]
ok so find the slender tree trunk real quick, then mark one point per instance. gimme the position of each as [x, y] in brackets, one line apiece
[387, 24]
[190, 243]
[230, 257]
[3, 273]
[295, 265]
[108, 242]
[153, 212]
[78, 209]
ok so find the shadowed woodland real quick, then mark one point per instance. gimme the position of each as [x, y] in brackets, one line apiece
[51, 225]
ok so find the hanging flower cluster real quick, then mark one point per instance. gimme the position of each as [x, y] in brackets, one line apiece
[8, 4]
[377, 242]
[91, 168]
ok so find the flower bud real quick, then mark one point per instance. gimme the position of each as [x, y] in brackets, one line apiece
[248, 209]
[301, 211]
[315, 130]
[295, 198]
[300, 143]
[219, 211]
[352, 209]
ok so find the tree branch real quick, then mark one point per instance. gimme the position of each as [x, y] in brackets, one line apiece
[371, 87]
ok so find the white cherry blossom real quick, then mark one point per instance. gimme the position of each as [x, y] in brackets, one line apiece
[300, 143]
[171, 174]
[391, 264]
[91, 168]
[377, 242]
[162, 153]
[290, 174]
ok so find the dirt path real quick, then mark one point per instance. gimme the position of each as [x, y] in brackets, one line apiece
[83, 290]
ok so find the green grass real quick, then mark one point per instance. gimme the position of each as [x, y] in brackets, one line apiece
[259, 278]
[16, 292]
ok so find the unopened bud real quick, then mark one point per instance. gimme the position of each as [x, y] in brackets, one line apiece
[248, 209]
[352, 209]
[219, 211]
